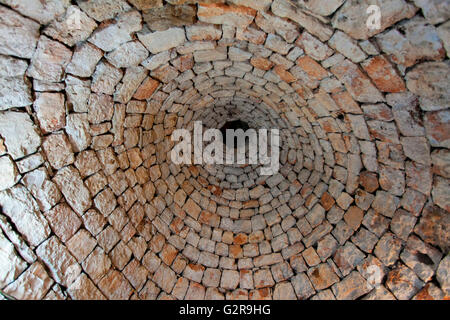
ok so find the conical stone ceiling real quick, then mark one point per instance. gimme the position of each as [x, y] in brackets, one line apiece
[92, 207]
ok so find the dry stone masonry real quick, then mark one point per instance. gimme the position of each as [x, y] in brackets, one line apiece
[91, 207]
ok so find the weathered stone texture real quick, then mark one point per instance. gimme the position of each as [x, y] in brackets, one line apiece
[94, 205]
[18, 35]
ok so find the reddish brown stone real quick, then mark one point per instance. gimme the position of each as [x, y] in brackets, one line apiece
[194, 171]
[429, 292]
[177, 225]
[384, 75]
[202, 181]
[168, 254]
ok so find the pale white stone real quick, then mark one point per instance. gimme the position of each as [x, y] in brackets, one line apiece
[18, 204]
[113, 35]
[30, 163]
[74, 27]
[14, 92]
[9, 172]
[69, 181]
[62, 265]
[19, 243]
[127, 55]
[50, 111]
[262, 5]
[84, 59]
[18, 35]
[435, 11]
[20, 134]
[159, 59]
[58, 150]
[44, 11]
[270, 23]
[33, 284]
[162, 40]
[105, 78]
[11, 67]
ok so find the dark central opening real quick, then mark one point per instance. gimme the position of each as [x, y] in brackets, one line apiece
[233, 125]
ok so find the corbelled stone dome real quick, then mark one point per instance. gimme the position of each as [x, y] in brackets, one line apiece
[92, 207]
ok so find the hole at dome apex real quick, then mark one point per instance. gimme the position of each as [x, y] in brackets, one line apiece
[233, 125]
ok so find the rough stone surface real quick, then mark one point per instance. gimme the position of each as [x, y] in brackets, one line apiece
[403, 283]
[33, 284]
[50, 110]
[159, 41]
[384, 75]
[93, 205]
[62, 265]
[101, 10]
[58, 150]
[72, 28]
[356, 83]
[112, 35]
[351, 287]
[10, 174]
[11, 123]
[19, 205]
[128, 55]
[237, 16]
[49, 61]
[161, 18]
[72, 187]
[15, 90]
[351, 14]
[417, 40]
[428, 81]
[18, 35]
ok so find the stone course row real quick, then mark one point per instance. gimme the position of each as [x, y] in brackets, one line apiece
[93, 208]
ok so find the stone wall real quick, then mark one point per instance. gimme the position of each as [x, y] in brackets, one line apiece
[93, 208]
